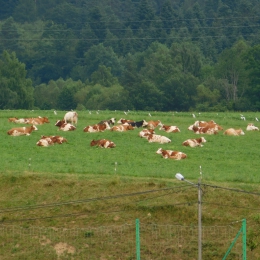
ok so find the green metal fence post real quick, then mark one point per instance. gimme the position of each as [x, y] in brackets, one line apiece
[137, 235]
[243, 231]
[244, 238]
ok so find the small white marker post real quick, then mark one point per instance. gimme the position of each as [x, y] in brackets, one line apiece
[29, 165]
[115, 166]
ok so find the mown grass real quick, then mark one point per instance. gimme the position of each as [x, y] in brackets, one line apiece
[74, 171]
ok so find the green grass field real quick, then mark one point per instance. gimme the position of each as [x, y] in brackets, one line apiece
[223, 158]
[76, 185]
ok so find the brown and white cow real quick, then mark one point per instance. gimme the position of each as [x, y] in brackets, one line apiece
[37, 121]
[152, 124]
[17, 131]
[45, 142]
[235, 132]
[21, 121]
[67, 127]
[71, 117]
[169, 154]
[153, 138]
[12, 119]
[251, 127]
[210, 124]
[96, 128]
[123, 121]
[122, 128]
[194, 142]
[56, 138]
[169, 128]
[60, 122]
[204, 130]
[103, 143]
[110, 121]
[146, 132]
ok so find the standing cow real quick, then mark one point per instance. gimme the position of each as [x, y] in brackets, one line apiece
[71, 117]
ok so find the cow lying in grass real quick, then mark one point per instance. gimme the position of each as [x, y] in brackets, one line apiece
[37, 120]
[97, 128]
[169, 154]
[103, 143]
[121, 128]
[204, 130]
[110, 121]
[17, 131]
[13, 119]
[210, 124]
[138, 124]
[235, 132]
[152, 124]
[50, 140]
[123, 121]
[251, 127]
[65, 126]
[169, 128]
[145, 132]
[153, 138]
[194, 142]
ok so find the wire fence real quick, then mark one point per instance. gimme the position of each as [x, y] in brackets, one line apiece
[117, 242]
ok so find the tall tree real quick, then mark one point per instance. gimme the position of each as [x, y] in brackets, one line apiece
[97, 24]
[7, 8]
[25, 11]
[231, 68]
[9, 35]
[16, 89]
[101, 55]
[253, 67]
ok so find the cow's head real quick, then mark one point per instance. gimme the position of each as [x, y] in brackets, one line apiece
[33, 127]
[113, 120]
[144, 123]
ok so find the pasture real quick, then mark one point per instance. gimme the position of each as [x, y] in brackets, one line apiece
[75, 185]
[222, 158]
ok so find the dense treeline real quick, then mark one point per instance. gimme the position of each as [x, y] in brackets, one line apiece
[125, 54]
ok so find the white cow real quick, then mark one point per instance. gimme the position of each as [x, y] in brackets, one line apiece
[251, 127]
[71, 117]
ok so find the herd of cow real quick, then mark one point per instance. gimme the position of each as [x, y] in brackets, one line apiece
[148, 131]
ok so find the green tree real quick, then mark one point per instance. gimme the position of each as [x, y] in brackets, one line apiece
[167, 16]
[87, 38]
[101, 55]
[97, 24]
[45, 95]
[103, 77]
[253, 68]
[144, 14]
[54, 54]
[126, 43]
[7, 8]
[16, 89]
[231, 68]
[187, 55]
[66, 99]
[206, 98]
[25, 11]
[9, 35]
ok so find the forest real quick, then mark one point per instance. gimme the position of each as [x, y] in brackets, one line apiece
[152, 55]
